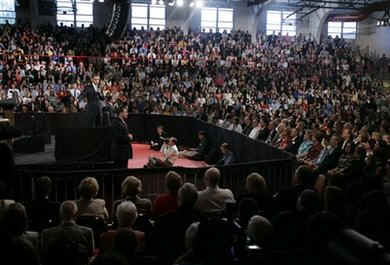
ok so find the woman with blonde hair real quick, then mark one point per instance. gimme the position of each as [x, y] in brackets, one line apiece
[257, 193]
[87, 204]
[131, 187]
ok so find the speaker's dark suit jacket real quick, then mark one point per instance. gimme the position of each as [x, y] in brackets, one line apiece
[94, 106]
[120, 148]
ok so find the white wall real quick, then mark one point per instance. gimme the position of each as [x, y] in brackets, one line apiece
[251, 19]
[372, 39]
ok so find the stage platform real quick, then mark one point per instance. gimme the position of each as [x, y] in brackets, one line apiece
[141, 153]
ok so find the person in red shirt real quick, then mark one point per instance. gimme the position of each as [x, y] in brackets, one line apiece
[167, 202]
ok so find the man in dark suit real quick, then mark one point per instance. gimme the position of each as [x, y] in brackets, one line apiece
[42, 212]
[160, 138]
[296, 141]
[199, 153]
[95, 102]
[227, 155]
[67, 243]
[121, 150]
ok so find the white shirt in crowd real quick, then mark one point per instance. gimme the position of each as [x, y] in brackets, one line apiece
[213, 199]
[254, 133]
[11, 92]
[235, 127]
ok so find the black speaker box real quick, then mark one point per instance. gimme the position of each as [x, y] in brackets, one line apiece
[29, 145]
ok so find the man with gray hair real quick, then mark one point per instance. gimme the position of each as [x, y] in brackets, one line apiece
[126, 214]
[213, 198]
[67, 243]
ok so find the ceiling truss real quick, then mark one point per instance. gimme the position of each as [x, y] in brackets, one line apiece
[304, 8]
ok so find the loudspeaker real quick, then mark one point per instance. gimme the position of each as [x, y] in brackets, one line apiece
[29, 145]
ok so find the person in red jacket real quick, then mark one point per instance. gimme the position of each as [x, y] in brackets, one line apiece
[167, 202]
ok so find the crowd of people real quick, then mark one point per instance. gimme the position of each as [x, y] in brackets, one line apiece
[297, 225]
[321, 101]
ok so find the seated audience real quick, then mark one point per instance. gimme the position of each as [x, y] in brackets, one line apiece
[126, 214]
[200, 151]
[160, 138]
[290, 225]
[42, 212]
[15, 223]
[170, 154]
[227, 155]
[5, 201]
[172, 226]
[16, 250]
[213, 198]
[125, 244]
[295, 142]
[130, 189]
[212, 244]
[167, 202]
[328, 157]
[373, 216]
[306, 145]
[67, 243]
[260, 231]
[87, 204]
[257, 190]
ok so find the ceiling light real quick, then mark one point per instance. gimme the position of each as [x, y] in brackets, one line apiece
[199, 3]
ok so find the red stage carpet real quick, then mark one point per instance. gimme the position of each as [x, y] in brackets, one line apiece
[141, 153]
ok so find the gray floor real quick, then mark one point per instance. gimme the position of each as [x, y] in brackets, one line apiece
[37, 158]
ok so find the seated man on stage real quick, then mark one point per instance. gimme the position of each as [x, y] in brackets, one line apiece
[199, 152]
[227, 155]
[171, 153]
[160, 139]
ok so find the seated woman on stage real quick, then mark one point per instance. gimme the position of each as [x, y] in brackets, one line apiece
[160, 138]
[171, 153]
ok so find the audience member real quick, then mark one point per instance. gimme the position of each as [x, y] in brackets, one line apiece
[170, 154]
[213, 198]
[126, 214]
[16, 222]
[160, 138]
[172, 226]
[67, 243]
[227, 155]
[260, 231]
[167, 202]
[42, 212]
[87, 204]
[130, 189]
[200, 152]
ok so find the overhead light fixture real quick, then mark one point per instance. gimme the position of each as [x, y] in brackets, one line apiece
[192, 4]
[161, 2]
[179, 2]
[171, 2]
[154, 2]
[199, 3]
